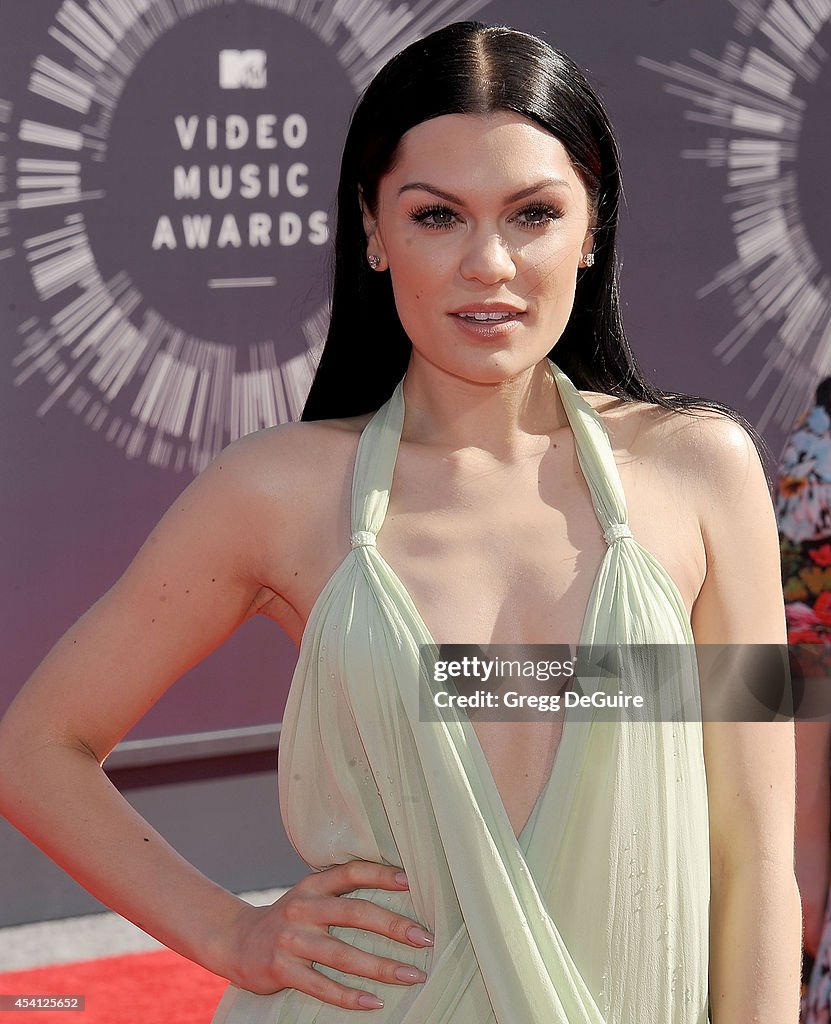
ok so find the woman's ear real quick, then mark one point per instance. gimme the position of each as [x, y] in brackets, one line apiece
[374, 245]
[366, 214]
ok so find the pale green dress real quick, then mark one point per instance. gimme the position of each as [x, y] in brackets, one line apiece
[599, 911]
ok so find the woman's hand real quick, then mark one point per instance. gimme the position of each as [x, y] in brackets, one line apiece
[274, 947]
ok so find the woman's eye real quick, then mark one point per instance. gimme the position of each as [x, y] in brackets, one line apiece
[538, 215]
[434, 217]
[437, 217]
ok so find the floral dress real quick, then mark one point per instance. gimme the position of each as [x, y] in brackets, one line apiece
[803, 508]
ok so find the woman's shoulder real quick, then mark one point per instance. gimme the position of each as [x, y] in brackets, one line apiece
[298, 447]
[703, 460]
[700, 438]
[302, 432]
[277, 477]
[285, 487]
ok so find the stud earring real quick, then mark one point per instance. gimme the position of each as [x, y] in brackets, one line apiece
[588, 259]
[374, 261]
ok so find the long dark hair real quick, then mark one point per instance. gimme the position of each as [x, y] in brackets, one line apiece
[469, 67]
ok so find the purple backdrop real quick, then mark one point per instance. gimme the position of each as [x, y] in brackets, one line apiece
[166, 187]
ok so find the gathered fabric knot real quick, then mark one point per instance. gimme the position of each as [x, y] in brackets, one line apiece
[617, 531]
[362, 539]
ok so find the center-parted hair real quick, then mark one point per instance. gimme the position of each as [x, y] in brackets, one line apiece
[472, 68]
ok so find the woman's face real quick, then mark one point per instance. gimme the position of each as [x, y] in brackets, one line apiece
[481, 217]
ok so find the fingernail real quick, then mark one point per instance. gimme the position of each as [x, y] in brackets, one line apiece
[409, 974]
[370, 1002]
[419, 935]
[401, 878]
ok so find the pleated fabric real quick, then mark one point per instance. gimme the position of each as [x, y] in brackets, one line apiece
[599, 911]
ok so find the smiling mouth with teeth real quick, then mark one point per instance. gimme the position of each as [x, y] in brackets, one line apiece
[485, 316]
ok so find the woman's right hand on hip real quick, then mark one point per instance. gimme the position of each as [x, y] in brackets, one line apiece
[274, 947]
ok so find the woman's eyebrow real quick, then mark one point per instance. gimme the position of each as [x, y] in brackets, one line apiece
[450, 198]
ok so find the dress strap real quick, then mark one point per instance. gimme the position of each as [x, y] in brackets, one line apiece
[597, 462]
[374, 467]
[378, 451]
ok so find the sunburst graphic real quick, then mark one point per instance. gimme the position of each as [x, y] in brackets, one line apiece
[761, 102]
[97, 345]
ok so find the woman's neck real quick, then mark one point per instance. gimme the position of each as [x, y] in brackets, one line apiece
[506, 418]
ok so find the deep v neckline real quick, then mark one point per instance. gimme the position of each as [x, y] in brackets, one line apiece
[427, 637]
[472, 736]
[530, 925]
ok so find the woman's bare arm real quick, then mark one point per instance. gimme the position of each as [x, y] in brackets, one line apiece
[755, 916]
[193, 582]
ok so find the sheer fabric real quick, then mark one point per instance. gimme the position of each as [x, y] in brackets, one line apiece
[599, 911]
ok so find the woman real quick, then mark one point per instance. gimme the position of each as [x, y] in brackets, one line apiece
[561, 868]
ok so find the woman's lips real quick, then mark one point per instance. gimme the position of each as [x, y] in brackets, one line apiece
[490, 324]
[483, 315]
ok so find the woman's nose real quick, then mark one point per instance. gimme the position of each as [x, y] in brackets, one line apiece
[487, 258]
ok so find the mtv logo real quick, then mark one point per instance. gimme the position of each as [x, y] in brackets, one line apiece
[242, 69]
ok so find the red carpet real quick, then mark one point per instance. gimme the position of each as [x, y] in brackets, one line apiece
[137, 988]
